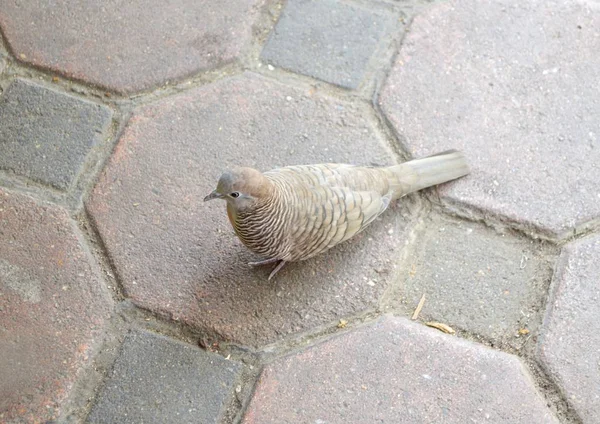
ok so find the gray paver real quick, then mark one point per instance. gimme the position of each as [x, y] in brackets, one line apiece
[128, 46]
[476, 279]
[401, 372]
[570, 342]
[326, 39]
[515, 85]
[149, 211]
[157, 380]
[46, 135]
[52, 309]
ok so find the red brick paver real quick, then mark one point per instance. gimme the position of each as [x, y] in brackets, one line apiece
[397, 371]
[128, 46]
[52, 308]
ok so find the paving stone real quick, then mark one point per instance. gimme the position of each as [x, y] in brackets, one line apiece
[326, 39]
[570, 342]
[179, 256]
[157, 380]
[128, 46]
[52, 309]
[515, 85]
[476, 279]
[46, 135]
[399, 372]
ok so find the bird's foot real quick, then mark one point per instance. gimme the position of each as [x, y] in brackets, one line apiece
[265, 262]
[277, 268]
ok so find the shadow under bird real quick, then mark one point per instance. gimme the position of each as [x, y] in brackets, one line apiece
[294, 213]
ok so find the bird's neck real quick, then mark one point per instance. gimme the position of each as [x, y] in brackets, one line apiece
[231, 214]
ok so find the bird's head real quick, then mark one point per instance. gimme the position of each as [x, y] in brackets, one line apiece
[241, 188]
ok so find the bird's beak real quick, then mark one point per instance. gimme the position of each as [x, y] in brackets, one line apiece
[213, 195]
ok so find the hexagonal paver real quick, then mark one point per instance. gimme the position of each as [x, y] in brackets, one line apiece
[52, 308]
[157, 380]
[327, 39]
[179, 256]
[399, 372]
[46, 135]
[570, 343]
[515, 85]
[128, 46]
[476, 279]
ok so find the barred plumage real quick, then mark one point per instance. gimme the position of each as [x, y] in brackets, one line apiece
[294, 213]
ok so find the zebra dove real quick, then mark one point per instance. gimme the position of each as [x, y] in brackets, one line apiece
[296, 212]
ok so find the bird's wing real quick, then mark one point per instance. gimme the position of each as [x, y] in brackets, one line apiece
[361, 208]
[357, 178]
[314, 175]
[331, 215]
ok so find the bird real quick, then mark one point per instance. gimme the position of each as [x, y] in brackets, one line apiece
[293, 213]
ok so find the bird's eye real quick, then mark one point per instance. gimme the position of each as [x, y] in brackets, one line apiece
[235, 194]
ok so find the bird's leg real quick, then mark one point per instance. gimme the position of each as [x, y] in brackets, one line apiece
[265, 262]
[277, 268]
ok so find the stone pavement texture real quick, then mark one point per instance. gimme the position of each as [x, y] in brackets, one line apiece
[128, 46]
[399, 372]
[329, 40]
[135, 303]
[514, 85]
[52, 307]
[159, 380]
[46, 135]
[486, 283]
[570, 346]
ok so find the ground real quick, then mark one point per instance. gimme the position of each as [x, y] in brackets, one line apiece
[124, 298]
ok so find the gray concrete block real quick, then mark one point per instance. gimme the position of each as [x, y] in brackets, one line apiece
[515, 85]
[477, 280]
[158, 380]
[46, 135]
[570, 342]
[326, 39]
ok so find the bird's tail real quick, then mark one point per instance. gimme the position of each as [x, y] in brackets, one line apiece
[418, 174]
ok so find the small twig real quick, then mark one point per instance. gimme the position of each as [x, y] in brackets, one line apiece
[441, 326]
[415, 314]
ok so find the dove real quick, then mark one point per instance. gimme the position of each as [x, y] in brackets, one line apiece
[293, 213]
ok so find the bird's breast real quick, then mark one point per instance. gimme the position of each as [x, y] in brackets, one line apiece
[257, 231]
